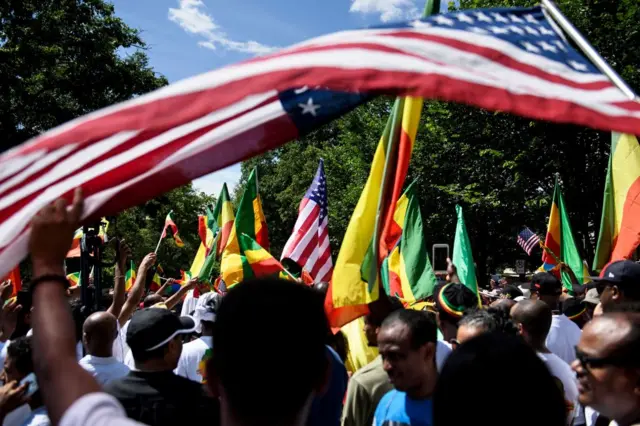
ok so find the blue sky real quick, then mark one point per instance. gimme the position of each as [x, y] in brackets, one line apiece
[189, 37]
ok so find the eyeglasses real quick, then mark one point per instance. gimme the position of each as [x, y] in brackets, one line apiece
[594, 362]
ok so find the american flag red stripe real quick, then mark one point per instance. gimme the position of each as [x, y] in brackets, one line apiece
[511, 60]
[308, 244]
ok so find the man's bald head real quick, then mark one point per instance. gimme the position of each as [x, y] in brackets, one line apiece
[535, 318]
[618, 334]
[504, 305]
[98, 333]
[608, 366]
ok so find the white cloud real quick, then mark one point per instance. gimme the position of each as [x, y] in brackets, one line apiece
[389, 10]
[192, 17]
[212, 183]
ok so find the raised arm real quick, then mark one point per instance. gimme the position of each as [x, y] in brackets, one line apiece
[62, 381]
[137, 290]
[124, 253]
[178, 295]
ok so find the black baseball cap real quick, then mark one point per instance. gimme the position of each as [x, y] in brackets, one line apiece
[512, 291]
[545, 284]
[152, 328]
[620, 272]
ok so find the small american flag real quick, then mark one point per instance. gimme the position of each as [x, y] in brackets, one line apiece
[308, 245]
[528, 240]
[510, 60]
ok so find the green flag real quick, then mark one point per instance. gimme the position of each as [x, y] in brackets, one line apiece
[462, 255]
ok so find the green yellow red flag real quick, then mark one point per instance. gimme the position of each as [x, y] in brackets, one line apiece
[560, 242]
[130, 277]
[620, 224]
[249, 220]
[169, 223]
[407, 272]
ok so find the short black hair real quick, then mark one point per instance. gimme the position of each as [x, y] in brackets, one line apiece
[381, 309]
[20, 351]
[422, 326]
[248, 318]
[490, 320]
[476, 373]
[151, 300]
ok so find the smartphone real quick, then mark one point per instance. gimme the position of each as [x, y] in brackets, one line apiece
[440, 254]
[31, 380]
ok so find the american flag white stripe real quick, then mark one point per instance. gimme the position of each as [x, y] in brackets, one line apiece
[208, 122]
[308, 244]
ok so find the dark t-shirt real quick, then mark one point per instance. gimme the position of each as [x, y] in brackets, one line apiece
[163, 398]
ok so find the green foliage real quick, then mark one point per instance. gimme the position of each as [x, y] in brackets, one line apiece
[499, 167]
[141, 226]
[63, 59]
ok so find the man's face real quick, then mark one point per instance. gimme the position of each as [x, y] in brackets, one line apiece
[603, 383]
[10, 372]
[608, 294]
[406, 367]
[371, 332]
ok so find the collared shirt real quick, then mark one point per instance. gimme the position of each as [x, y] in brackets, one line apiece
[163, 398]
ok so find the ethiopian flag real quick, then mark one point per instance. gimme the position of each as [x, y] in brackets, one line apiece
[130, 277]
[354, 282]
[620, 223]
[253, 261]
[463, 256]
[249, 220]
[169, 223]
[560, 241]
[407, 272]
[74, 279]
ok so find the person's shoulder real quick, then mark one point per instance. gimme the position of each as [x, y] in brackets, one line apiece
[185, 385]
[373, 367]
[120, 387]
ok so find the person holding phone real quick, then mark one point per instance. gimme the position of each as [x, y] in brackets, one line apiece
[18, 367]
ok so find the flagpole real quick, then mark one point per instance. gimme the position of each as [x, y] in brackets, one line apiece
[587, 48]
[160, 240]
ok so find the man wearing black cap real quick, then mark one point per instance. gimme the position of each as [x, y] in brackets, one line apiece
[152, 393]
[619, 282]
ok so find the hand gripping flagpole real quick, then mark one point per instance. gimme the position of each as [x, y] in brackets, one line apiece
[588, 49]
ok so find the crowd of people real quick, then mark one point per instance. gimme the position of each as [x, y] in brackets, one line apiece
[264, 354]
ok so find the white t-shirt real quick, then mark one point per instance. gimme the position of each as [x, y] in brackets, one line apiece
[442, 352]
[192, 360]
[96, 409]
[561, 371]
[563, 338]
[38, 417]
[120, 347]
[104, 369]
[189, 304]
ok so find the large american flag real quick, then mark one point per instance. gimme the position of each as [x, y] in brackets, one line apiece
[308, 245]
[511, 60]
[528, 240]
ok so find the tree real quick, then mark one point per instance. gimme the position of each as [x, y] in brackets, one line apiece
[63, 59]
[500, 168]
[141, 226]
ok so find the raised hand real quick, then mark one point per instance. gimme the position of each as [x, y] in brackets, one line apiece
[52, 231]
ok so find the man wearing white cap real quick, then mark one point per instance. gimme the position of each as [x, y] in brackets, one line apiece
[194, 357]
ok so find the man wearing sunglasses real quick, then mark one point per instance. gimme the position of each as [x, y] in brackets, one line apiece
[608, 367]
[619, 282]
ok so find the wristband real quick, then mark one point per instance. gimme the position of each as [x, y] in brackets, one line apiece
[51, 277]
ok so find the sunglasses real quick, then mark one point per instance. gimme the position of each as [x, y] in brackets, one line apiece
[600, 287]
[594, 362]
